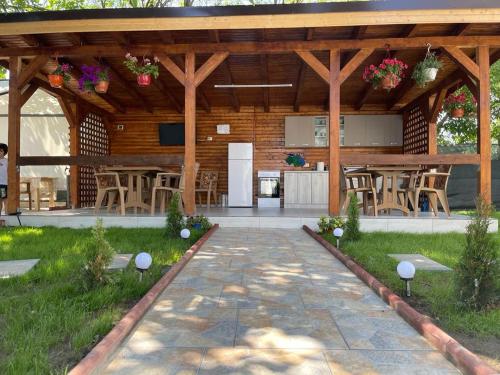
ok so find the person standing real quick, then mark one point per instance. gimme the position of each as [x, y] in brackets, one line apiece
[3, 175]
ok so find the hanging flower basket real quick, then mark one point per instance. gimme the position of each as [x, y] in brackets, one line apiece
[388, 74]
[144, 79]
[60, 75]
[94, 79]
[460, 104]
[425, 71]
[143, 69]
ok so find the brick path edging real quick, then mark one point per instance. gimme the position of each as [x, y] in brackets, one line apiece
[99, 355]
[464, 359]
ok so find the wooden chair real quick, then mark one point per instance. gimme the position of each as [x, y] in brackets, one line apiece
[408, 184]
[108, 183]
[25, 188]
[434, 185]
[208, 184]
[358, 182]
[163, 185]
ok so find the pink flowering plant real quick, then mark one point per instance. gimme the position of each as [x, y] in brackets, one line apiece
[142, 67]
[389, 66]
[460, 99]
[63, 70]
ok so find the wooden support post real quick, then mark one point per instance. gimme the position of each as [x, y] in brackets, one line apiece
[190, 135]
[435, 106]
[74, 150]
[334, 138]
[484, 136]
[14, 134]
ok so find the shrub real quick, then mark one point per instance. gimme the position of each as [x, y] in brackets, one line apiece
[200, 219]
[327, 224]
[352, 232]
[98, 256]
[175, 220]
[477, 272]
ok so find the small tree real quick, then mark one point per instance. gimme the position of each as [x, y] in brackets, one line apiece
[98, 256]
[175, 220]
[352, 232]
[477, 271]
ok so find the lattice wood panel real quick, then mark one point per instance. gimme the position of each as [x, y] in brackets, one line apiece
[93, 141]
[415, 132]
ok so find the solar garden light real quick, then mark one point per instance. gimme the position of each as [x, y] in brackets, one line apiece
[142, 263]
[406, 271]
[338, 232]
[185, 233]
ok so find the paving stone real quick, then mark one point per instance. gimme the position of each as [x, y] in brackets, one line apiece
[272, 302]
[420, 262]
[11, 268]
[120, 261]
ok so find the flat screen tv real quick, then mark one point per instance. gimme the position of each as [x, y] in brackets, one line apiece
[171, 134]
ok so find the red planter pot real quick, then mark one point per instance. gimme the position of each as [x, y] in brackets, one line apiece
[101, 87]
[457, 113]
[56, 80]
[390, 81]
[144, 79]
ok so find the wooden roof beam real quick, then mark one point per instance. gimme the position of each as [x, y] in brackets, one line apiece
[226, 69]
[264, 73]
[209, 66]
[315, 65]
[358, 32]
[29, 71]
[28, 93]
[464, 61]
[257, 47]
[461, 29]
[302, 73]
[160, 85]
[354, 63]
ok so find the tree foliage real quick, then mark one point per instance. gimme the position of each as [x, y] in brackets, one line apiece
[464, 130]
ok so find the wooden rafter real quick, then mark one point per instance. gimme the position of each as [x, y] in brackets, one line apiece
[31, 70]
[436, 106]
[464, 61]
[68, 112]
[209, 66]
[129, 87]
[471, 85]
[302, 74]
[269, 47]
[358, 32]
[226, 69]
[354, 63]
[121, 37]
[315, 64]
[462, 28]
[26, 95]
[409, 31]
[173, 68]
[160, 85]
[264, 73]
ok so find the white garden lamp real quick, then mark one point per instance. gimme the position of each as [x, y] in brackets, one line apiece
[338, 232]
[142, 263]
[406, 271]
[185, 233]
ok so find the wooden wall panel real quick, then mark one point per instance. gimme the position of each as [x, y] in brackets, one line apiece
[265, 130]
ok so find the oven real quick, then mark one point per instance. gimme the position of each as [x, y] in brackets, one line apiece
[268, 188]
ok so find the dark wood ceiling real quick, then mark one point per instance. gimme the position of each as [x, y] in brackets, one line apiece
[307, 90]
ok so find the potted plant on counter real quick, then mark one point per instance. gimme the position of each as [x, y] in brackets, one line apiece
[60, 75]
[425, 71]
[297, 160]
[143, 70]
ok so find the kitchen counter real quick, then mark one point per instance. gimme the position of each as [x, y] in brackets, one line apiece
[306, 189]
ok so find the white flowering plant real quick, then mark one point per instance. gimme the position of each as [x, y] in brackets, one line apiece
[145, 66]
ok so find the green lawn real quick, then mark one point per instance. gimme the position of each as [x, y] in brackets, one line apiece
[433, 292]
[47, 322]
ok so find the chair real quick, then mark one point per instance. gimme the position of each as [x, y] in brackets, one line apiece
[163, 185]
[408, 184]
[208, 184]
[434, 185]
[108, 183]
[25, 188]
[358, 182]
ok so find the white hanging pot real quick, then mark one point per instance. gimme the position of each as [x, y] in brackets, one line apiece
[430, 74]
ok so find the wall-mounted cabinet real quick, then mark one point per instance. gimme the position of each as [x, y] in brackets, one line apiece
[306, 131]
[373, 130]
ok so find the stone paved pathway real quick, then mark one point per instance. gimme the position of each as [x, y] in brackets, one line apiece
[272, 302]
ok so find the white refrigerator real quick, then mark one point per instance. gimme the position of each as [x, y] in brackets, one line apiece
[240, 174]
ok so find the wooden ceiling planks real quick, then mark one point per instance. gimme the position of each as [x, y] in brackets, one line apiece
[308, 89]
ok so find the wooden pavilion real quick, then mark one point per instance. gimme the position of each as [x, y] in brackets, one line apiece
[320, 48]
